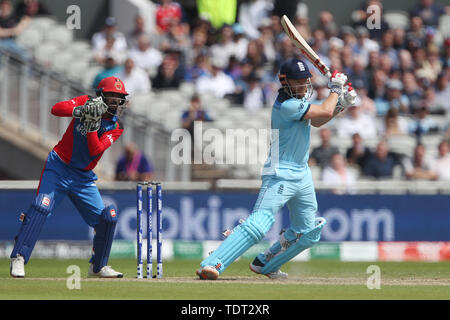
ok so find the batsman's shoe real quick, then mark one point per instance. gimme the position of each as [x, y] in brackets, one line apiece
[257, 265]
[207, 273]
[105, 272]
[17, 269]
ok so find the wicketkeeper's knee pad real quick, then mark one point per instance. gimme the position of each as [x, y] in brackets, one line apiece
[244, 236]
[32, 222]
[290, 249]
[103, 238]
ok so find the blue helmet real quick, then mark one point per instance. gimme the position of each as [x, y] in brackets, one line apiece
[294, 69]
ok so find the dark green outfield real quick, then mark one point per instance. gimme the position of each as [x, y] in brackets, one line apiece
[46, 279]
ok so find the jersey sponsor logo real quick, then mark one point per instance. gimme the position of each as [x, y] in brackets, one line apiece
[45, 201]
[300, 106]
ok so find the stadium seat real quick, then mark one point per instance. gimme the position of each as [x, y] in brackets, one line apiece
[76, 69]
[59, 34]
[45, 52]
[42, 23]
[61, 61]
[30, 38]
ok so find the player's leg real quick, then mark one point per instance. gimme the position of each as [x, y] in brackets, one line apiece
[50, 193]
[103, 219]
[272, 197]
[303, 233]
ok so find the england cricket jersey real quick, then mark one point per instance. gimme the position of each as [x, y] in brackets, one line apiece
[289, 148]
[80, 149]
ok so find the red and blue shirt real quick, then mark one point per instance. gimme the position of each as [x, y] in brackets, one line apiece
[80, 149]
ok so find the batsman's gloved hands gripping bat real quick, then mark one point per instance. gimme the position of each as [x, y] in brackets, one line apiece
[337, 82]
[347, 98]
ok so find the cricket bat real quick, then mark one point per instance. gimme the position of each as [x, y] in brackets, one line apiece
[304, 47]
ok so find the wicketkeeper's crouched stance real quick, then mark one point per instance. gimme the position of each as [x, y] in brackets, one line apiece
[68, 171]
[286, 178]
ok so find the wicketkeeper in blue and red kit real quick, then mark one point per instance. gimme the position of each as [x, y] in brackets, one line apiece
[68, 172]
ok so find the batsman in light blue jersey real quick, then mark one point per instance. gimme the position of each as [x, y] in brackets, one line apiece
[286, 177]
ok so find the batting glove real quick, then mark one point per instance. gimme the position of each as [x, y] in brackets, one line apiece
[347, 99]
[337, 82]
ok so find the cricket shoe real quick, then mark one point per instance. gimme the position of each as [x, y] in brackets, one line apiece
[105, 272]
[207, 273]
[17, 268]
[257, 265]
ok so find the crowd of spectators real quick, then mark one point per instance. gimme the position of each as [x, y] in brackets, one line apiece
[401, 73]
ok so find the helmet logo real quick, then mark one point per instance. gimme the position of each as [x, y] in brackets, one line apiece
[118, 84]
[301, 66]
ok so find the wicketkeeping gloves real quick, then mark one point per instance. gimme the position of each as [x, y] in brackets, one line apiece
[93, 109]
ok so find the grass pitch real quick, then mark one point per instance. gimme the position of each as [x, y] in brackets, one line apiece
[47, 279]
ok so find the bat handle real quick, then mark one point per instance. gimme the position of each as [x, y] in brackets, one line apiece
[328, 74]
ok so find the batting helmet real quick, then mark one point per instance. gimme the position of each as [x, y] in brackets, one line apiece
[295, 69]
[112, 84]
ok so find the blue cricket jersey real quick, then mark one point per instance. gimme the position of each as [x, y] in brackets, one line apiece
[289, 148]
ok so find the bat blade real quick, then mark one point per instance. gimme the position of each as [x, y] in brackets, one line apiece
[303, 46]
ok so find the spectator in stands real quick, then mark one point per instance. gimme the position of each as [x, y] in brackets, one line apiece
[168, 13]
[420, 167]
[428, 11]
[429, 102]
[442, 162]
[253, 96]
[358, 154]
[266, 40]
[393, 98]
[136, 80]
[411, 89]
[241, 41]
[170, 73]
[255, 55]
[421, 123]
[12, 25]
[194, 113]
[377, 85]
[200, 68]
[393, 124]
[109, 31]
[338, 176]
[250, 15]
[321, 155]
[225, 47]
[110, 49]
[216, 82]
[365, 45]
[110, 68]
[381, 163]
[354, 121]
[366, 104]
[138, 31]
[327, 24]
[197, 47]
[175, 38]
[31, 8]
[219, 12]
[442, 100]
[361, 16]
[133, 165]
[358, 72]
[145, 56]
